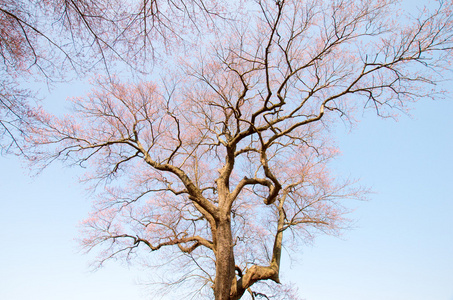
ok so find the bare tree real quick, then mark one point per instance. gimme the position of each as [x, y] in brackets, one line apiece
[47, 40]
[226, 158]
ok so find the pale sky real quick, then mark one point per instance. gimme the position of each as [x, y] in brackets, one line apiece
[401, 247]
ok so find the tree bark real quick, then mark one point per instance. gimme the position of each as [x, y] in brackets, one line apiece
[224, 261]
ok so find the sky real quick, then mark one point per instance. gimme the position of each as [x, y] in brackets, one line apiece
[402, 243]
[401, 246]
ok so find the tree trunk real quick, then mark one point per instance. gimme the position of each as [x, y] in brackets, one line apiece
[224, 261]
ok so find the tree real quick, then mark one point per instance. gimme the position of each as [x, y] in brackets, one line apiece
[47, 40]
[224, 158]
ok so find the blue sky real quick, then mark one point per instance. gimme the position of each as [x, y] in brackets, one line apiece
[401, 247]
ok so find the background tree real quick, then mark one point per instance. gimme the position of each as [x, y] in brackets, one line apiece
[55, 41]
[225, 158]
